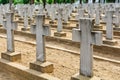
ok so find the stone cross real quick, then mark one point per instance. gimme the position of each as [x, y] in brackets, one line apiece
[60, 26]
[117, 23]
[109, 24]
[65, 14]
[91, 11]
[40, 9]
[25, 17]
[52, 12]
[80, 14]
[102, 1]
[117, 1]
[30, 11]
[10, 27]
[41, 31]
[90, 1]
[20, 10]
[88, 38]
[1, 16]
[97, 17]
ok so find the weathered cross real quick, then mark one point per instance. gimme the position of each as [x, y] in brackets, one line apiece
[117, 23]
[25, 17]
[109, 19]
[10, 27]
[1, 16]
[117, 1]
[97, 17]
[41, 31]
[60, 26]
[88, 38]
[102, 1]
[80, 14]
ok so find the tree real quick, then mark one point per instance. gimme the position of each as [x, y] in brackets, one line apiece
[25, 1]
[110, 1]
[4, 1]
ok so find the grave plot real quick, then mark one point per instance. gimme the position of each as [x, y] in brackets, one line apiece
[67, 57]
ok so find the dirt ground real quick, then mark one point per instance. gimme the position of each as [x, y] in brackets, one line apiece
[65, 64]
[7, 76]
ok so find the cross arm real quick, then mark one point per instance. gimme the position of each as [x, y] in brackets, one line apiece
[14, 25]
[9, 20]
[76, 35]
[46, 30]
[96, 38]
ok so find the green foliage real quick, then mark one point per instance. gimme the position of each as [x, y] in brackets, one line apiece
[4, 1]
[47, 1]
[38, 1]
[18, 1]
[50, 1]
[25, 1]
[110, 1]
[68, 1]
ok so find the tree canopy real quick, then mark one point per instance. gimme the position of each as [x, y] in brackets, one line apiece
[47, 1]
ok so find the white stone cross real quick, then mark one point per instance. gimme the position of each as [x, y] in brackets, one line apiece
[80, 14]
[65, 13]
[109, 24]
[117, 22]
[117, 1]
[31, 11]
[87, 37]
[60, 26]
[91, 11]
[90, 1]
[25, 17]
[20, 9]
[53, 15]
[1, 16]
[10, 27]
[41, 31]
[97, 17]
[102, 1]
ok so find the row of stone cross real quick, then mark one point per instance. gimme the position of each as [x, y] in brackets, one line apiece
[86, 36]
[83, 34]
[63, 12]
[101, 1]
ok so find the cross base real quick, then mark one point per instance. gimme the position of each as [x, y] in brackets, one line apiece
[33, 29]
[18, 16]
[21, 19]
[25, 29]
[66, 23]
[81, 77]
[21, 22]
[97, 27]
[110, 42]
[102, 22]
[11, 56]
[1, 25]
[53, 22]
[116, 28]
[45, 67]
[60, 34]
[73, 21]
